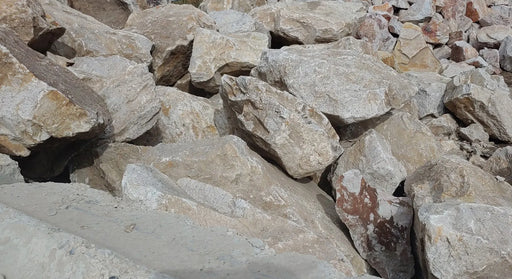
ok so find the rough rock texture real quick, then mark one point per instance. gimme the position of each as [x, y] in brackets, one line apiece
[27, 18]
[474, 96]
[374, 29]
[9, 170]
[42, 100]
[420, 10]
[379, 224]
[476, 9]
[462, 51]
[310, 22]
[473, 133]
[173, 46]
[445, 125]
[412, 52]
[237, 5]
[436, 31]
[214, 55]
[505, 53]
[292, 133]
[431, 88]
[113, 13]
[229, 164]
[467, 240]
[128, 90]
[372, 156]
[86, 36]
[492, 36]
[500, 163]
[231, 21]
[348, 87]
[491, 56]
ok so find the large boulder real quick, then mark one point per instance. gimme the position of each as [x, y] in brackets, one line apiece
[345, 85]
[171, 28]
[9, 170]
[215, 54]
[41, 100]
[288, 130]
[128, 90]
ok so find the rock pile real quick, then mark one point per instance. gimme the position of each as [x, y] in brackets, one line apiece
[255, 139]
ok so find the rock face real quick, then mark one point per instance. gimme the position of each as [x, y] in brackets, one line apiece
[379, 224]
[27, 18]
[86, 36]
[292, 133]
[9, 170]
[353, 87]
[128, 90]
[113, 13]
[214, 54]
[310, 22]
[42, 100]
[173, 47]
[229, 164]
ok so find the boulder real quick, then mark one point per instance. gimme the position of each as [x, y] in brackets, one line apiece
[310, 22]
[231, 21]
[431, 88]
[346, 86]
[476, 9]
[492, 57]
[505, 54]
[498, 14]
[452, 69]
[378, 223]
[85, 36]
[374, 29]
[113, 13]
[492, 36]
[41, 100]
[500, 163]
[454, 12]
[28, 19]
[445, 125]
[473, 133]
[215, 54]
[462, 51]
[9, 170]
[173, 46]
[128, 90]
[419, 11]
[436, 31]
[412, 52]
[290, 132]
[224, 5]
[294, 211]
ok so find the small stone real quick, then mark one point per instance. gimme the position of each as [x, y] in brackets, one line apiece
[374, 29]
[395, 26]
[462, 51]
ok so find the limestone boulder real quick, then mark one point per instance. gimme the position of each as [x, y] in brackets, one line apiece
[214, 55]
[346, 86]
[431, 88]
[310, 22]
[9, 170]
[41, 100]
[500, 163]
[112, 13]
[505, 54]
[232, 21]
[173, 46]
[417, 12]
[378, 223]
[28, 19]
[492, 36]
[288, 130]
[462, 51]
[224, 5]
[85, 36]
[128, 90]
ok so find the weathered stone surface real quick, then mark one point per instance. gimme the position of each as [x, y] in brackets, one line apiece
[378, 223]
[445, 125]
[453, 69]
[113, 13]
[41, 100]
[86, 36]
[385, 9]
[420, 10]
[347, 86]
[412, 52]
[214, 55]
[491, 56]
[505, 54]
[352, 44]
[231, 21]
[442, 52]
[475, 97]
[130, 232]
[229, 164]
[402, 4]
[173, 46]
[492, 36]
[291, 132]
[476, 9]
[431, 87]
[395, 26]
[237, 5]
[310, 22]
[467, 240]
[454, 12]
[500, 163]
[436, 31]
[462, 51]
[9, 170]
[372, 156]
[473, 133]
[498, 14]
[128, 90]
[374, 29]
[27, 18]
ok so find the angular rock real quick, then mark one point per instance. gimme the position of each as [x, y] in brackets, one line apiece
[353, 87]
[412, 52]
[27, 18]
[473, 133]
[442, 52]
[500, 163]
[229, 164]
[289, 131]
[224, 5]
[41, 100]
[431, 87]
[491, 56]
[128, 90]
[231, 21]
[419, 11]
[9, 170]
[466, 240]
[401, 4]
[476, 9]
[214, 55]
[395, 26]
[492, 36]
[462, 51]
[352, 44]
[378, 223]
[474, 97]
[454, 12]
[310, 22]
[385, 9]
[436, 31]
[498, 14]
[173, 47]
[445, 125]
[453, 69]
[85, 36]
[505, 54]
[374, 29]
[112, 13]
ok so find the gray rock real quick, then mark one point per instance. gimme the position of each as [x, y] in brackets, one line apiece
[128, 90]
[492, 57]
[292, 133]
[9, 170]
[453, 69]
[111, 13]
[473, 133]
[492, 36]
[505, 53]
[347, 86]
[215, 54]
[231, 21]
[173, 46]
[442, 52]
[431, 88]
[420, 10]
[237, 5]
[374, 29]
[500, 163]
[445, 125]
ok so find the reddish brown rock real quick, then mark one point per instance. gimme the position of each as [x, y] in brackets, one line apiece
[378, 223]
[454, 37]
[436, 31]
[476, 9]
[374, 29]
[462, 51]
[454, 12]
